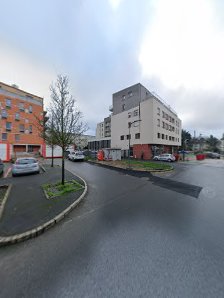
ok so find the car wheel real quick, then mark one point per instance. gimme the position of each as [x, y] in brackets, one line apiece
[169, 160]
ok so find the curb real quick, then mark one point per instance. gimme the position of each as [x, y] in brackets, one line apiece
[5, 198]
[127, 170]
[43, 168]
[44, 227]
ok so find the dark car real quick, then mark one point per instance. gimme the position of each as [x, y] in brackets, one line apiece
[1, 166]
[213, 155]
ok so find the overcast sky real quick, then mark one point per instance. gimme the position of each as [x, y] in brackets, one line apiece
[175, 48]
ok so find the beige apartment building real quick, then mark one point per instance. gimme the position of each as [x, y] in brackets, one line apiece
[152, 126]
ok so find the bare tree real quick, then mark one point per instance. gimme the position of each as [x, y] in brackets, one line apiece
[65, 116]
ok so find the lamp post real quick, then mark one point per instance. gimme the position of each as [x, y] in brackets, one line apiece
[129, 140]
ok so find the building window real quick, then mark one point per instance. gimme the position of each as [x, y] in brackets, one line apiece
[129, 115]
[130, 94]
[172, 138]
[21, 106]
[17, 137]
[169, 138]
[166, 137]
[8, 126]
[123, 97]
[158, 135]
[135, 112]
[162, 136]
[30, 129]
[17, 116]
[158, 111]
[163, 114]
[158, 122]
[128, 137]
[4, 114]
[122, 138]
[30, 109]
[166, 126]
[4, 136]
[137, 135]
[21, 128]
[163, 124]
[8, 103]
[123, 107]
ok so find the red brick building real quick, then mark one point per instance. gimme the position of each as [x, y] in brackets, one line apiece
[19, 111]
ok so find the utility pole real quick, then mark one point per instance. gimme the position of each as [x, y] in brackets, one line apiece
[129, 140]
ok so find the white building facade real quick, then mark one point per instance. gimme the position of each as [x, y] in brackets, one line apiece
[152, 126]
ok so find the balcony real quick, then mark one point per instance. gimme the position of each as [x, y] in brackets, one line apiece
[111, 108]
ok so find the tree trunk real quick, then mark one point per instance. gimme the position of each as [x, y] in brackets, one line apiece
[52, 156]
[63, 168]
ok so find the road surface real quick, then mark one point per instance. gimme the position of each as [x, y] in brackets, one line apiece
[131, 237]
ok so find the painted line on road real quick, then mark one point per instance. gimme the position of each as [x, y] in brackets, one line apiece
[7, 172]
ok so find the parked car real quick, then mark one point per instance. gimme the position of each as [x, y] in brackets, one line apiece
[165, 157]
[1, 166]
[212, 155]
[76, 156]
[25, 165]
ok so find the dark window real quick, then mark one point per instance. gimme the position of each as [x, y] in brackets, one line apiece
[158, 122]
[122, 137]
[17, 137]
[158, 111]
[162, 136]
[172, 138]
[123, 97]
[4, 136]
[21, 128]
[137, 135]
[169, 138]
[8, 126]
[30, 129]
[128, 137]
[123, 107]
[8, 103]
[135, 112]
[17, 116]
[130, 93]
[4, 114]
[21, 106]
[30, 109]
[158, 135]
[166, 137]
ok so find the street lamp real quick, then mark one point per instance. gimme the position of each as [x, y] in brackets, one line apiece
[129, 140]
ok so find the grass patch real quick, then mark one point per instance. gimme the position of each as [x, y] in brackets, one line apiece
[57, 189]
[147, 165]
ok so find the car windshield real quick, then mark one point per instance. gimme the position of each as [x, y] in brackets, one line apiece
[25, 161]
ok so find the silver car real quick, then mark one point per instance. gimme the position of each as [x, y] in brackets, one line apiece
[25, 165]
[1, 167]
[165, 157]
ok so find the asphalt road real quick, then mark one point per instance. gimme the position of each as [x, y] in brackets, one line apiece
[131, 237]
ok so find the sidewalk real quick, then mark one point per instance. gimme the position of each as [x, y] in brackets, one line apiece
[27, 206]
